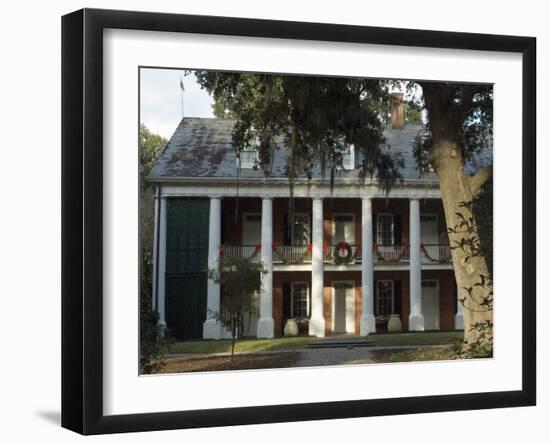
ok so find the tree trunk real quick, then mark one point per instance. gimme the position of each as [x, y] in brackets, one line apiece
[471, 272]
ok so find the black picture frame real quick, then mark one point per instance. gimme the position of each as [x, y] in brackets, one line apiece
[82, 215]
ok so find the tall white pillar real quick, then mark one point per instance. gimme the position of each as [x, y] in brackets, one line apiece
[161, 285]
[368, 321]
[317, 319]
[265, 322]
[416, 319]
[459, 318]
[211, 327]
[155, 251]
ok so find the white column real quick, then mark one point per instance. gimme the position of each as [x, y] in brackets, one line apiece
[416, 319]
[317, 319]
[155, 252]
[161, 288]
[368, 321]
[211, 327]
[265, 322]
[459, 318]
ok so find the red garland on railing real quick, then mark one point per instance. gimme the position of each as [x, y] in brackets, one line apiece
[406, 247]
[258, 247]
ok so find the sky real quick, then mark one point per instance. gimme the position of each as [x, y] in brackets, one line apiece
[161, 100]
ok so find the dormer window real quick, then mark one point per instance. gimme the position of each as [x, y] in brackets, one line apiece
[248, 158]
[348, 157]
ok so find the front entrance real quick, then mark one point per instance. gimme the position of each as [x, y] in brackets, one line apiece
[429, 235]
[251, 235]
[430, 304]
[343, 307]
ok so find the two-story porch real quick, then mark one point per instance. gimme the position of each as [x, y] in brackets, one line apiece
[338, 264]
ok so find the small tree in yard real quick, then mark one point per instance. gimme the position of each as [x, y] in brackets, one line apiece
[240, 278]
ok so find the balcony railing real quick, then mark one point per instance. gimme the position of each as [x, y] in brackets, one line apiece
[432, 253]
[342, 253]
[391, 253]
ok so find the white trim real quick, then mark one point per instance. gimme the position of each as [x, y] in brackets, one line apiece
[333, 304]
[308, 309]
[279, 189]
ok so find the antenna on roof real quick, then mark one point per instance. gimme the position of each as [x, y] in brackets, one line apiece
[182, 88]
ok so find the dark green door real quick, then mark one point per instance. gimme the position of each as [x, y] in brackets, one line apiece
[186, 266]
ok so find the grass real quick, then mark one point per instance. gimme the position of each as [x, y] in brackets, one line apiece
[291, 343]
[243, 345]
[416, 338]
[224, 363]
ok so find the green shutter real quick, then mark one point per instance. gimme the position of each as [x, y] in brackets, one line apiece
[186, 266]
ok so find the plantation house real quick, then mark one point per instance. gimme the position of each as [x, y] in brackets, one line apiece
[348, 260]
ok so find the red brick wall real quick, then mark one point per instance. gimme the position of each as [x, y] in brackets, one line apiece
[232, 231]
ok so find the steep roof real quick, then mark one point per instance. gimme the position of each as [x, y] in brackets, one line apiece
[202, 147]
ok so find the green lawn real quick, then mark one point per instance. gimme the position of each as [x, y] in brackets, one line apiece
[290, 343]
[244, 345]
[416, 338]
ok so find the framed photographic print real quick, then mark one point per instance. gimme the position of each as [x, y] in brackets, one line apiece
[269, 221]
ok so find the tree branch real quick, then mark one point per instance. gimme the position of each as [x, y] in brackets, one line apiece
[478, 180]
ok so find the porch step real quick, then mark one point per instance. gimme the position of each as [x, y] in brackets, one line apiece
[349, 343]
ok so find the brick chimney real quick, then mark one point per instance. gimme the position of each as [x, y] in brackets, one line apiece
[397, 117]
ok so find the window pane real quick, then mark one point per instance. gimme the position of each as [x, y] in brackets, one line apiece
[384, 229]
[384, 297]
[300, 230]
[300, 300]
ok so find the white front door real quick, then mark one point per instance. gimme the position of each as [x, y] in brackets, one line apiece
[252, 235]
[430, 304]
[344, 228]
[429, 236]
[343, 308]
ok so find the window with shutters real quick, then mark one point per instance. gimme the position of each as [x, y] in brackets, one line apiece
[385, 229]
[385, 300]
[299, 300]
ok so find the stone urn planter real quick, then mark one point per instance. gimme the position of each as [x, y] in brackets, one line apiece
[394, 324]
[291, 328]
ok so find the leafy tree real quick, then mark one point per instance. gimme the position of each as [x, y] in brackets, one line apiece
[240, 279]
[460, 124]
[151, 339]
[318, 117]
